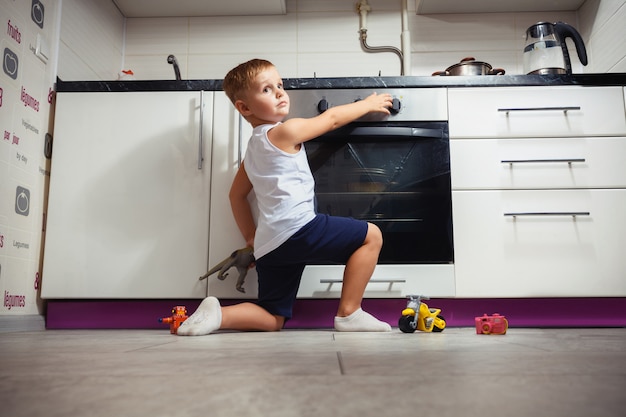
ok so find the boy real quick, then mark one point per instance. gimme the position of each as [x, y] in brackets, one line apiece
[289, 233]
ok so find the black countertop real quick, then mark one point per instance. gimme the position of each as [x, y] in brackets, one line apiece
[615, 79]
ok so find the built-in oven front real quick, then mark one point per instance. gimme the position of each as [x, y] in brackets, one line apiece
[393, 171]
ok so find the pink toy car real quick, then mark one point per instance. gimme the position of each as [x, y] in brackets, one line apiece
[494, 324]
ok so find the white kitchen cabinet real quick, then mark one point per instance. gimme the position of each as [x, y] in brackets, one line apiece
[129, 196]
[230, 140]
[538, 191]
[151, 8]
[494, 6]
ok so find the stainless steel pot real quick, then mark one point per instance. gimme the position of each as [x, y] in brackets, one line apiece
[469, 66]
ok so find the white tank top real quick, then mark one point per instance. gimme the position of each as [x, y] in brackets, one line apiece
[283, 187]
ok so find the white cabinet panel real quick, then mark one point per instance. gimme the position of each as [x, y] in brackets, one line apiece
[538, 163]
[229, 148]
[388, 281]
[536, 112]
[540, 255]
[129, 204]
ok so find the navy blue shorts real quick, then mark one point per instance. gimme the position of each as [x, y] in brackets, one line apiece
[325, 239]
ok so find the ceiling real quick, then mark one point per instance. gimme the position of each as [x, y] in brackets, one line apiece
[183, 8]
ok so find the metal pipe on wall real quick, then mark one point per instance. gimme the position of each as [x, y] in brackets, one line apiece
[405, 39]
[405, 54]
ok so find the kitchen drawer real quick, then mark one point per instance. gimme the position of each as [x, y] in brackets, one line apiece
[544, 243]
[538, 163]
[536, 112]
[388, 281]
[325, 281]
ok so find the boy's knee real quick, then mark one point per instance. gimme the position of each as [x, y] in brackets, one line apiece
[279, 324]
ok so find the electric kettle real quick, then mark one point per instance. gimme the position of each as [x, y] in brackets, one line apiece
[546, 51]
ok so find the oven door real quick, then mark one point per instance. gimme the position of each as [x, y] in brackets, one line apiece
[397, 176]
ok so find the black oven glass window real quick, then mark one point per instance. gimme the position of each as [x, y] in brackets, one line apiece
[395, 176]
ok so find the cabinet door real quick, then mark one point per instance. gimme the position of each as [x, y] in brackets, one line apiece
[230, 139]
[544, 243]
[129, 196]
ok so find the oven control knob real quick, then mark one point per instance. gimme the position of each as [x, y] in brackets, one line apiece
[322, 106]
[396, 105]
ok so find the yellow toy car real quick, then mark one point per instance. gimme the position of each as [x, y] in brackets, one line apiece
[418, 316]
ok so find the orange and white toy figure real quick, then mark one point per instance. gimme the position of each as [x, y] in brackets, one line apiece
[179, 315]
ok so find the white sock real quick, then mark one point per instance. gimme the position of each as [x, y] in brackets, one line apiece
[206, 319]
[361, 321]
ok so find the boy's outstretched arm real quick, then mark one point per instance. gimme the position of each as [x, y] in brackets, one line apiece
[240, 206]
[295, 131]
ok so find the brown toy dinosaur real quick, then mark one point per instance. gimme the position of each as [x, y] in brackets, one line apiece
[241, 259]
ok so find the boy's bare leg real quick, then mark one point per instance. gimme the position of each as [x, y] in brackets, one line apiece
[210, 316]
[359, 270]
[249, 316]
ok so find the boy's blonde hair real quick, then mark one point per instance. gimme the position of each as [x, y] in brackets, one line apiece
[238, 80]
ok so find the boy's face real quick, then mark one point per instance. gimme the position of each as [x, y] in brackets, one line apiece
[266, 101]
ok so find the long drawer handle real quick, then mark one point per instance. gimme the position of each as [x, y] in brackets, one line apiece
[549, 213]
[201, 136]
[379, 281]
[564, 109]
[533, 161]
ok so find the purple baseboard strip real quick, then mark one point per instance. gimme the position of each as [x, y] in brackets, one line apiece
[319, 313]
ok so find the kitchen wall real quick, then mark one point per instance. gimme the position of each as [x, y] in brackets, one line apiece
[29, 35]
[320, 38]
[91, 40]
[603, 26]
[82, 39]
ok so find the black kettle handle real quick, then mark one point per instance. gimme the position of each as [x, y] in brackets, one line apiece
[563, 30]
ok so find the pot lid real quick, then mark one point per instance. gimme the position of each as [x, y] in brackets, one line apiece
[469, 61]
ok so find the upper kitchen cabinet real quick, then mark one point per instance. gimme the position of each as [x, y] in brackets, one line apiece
[186, 8]
[129, 196]
[493, 6]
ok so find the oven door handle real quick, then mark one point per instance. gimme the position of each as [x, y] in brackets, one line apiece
[398, 131]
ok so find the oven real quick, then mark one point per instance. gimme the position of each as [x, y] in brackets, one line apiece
[393, 171]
